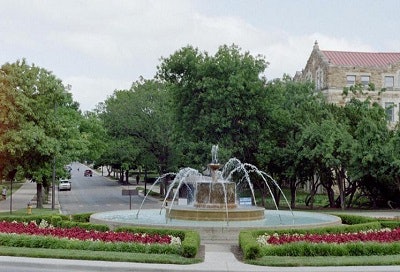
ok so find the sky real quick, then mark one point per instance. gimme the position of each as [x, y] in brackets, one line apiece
[99, 46]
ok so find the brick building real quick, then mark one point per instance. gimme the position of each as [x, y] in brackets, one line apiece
[331, 71]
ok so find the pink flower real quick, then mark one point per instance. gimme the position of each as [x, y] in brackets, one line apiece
[82, 234]
[381, 236]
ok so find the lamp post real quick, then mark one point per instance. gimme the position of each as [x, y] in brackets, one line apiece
[53, 188]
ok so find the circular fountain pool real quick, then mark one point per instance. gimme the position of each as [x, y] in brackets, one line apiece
[215, 230]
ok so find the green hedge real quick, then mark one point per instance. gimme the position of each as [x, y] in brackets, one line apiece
[190, 239]
[348, 249]
[36, 241]
[350, 219]
[189, 247]
[36, 218]
[252, 249]
[393, 224]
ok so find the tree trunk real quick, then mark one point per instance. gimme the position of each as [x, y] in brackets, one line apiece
[340, 179]
[127, 176]
[109, 170]
[39, 195]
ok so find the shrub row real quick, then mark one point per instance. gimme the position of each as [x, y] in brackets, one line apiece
[321, 249]
[190, 239]
[37, 241]
[189, 247]
[61, 221]
[57, 221]
[252, 249]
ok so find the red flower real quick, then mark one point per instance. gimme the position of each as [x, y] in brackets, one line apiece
[381, 236]
[82, 234]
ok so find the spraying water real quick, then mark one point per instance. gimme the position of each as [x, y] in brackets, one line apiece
[214, 197]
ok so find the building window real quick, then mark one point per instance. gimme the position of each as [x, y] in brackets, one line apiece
[389, 82]
[351, 80]
[389, 108]
[365, 81]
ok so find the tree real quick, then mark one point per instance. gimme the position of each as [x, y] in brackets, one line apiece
[216, 99]
[372, 159]
[138, 121]
[291, 106]
[40, 124]
[94, 136]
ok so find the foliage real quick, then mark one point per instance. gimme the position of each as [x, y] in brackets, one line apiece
[39, 124]
[384, 235]
[216, 99]
[358, 224]
[139, 127]
[189, 240]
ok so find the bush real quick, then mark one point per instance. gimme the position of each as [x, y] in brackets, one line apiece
[190, 239]
[190, 244]
[252, 249]
[82, 217]
[87, 226]
[350, 219]
[248, 243]
[33, 241]
[393, 224]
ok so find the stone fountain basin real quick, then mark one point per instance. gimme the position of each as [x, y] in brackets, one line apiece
[244, 213]
[222, 231]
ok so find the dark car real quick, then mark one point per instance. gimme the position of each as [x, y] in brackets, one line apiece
[88, 173]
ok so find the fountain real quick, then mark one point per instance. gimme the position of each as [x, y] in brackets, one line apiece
[211, 204]
[215, 197]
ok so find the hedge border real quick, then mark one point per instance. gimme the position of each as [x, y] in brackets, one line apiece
[252, 249]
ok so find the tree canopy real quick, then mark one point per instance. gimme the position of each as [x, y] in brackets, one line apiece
[216, 99]
[39, 123]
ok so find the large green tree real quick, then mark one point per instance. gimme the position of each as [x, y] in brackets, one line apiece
[138, 123]
[372, 160]
[291, 106]
[40, 124]
[217, 99]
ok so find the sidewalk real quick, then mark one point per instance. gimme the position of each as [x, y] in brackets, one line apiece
[24, 195]
[218, 257]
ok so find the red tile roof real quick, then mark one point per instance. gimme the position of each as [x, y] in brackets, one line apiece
[361, 58]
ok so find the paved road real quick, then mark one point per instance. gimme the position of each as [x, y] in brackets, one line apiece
[97, 194]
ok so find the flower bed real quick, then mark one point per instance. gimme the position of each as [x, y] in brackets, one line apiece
[75, 233]
[360, 239]
[385, 235]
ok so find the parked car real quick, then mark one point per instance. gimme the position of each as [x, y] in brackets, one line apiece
[88, 173]
[64, 184]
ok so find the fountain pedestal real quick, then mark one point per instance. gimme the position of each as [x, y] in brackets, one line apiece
[212, 195]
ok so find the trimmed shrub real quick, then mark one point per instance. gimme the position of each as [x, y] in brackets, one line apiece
[350, 219]
[190, 244]
[252, 249]
[82, 217]
[190, 239]
[248, 243]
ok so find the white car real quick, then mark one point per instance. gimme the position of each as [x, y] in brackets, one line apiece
[64, 184]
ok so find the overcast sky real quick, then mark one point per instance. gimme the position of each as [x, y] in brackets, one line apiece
[100, 46]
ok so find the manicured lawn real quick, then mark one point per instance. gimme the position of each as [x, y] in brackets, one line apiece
[23, 212]
[327, 261]
[97, 255]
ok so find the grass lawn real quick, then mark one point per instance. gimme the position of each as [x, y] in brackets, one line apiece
[97, 255]
[23, 212]
[327, 261]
